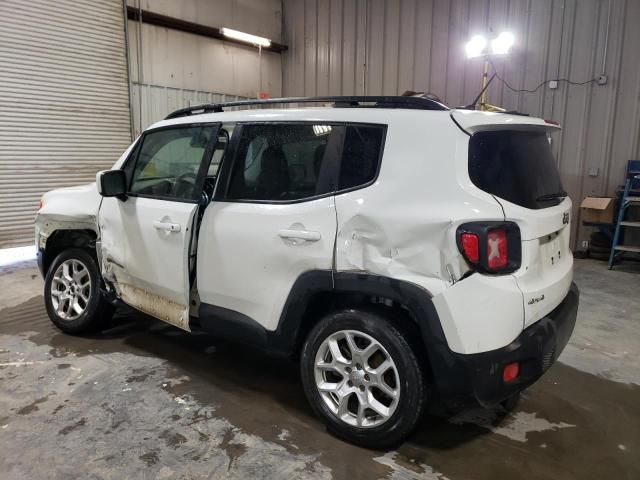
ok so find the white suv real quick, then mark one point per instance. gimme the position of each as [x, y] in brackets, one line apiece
[402, 252]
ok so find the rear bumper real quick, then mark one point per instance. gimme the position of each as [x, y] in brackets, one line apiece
[478, 377]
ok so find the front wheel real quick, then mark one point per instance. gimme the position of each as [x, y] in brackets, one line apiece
[361, 376]
[72, 293]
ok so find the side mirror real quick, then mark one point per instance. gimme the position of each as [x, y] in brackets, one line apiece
[112, 183]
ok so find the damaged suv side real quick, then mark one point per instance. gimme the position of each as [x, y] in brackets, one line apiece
[402, 252]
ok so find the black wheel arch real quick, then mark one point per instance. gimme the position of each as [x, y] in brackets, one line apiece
[316, 292]
[63, 239]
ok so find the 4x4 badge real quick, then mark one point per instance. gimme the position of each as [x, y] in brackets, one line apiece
[565, 218]
[536, 300]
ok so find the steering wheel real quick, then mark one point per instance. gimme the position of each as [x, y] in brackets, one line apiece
[184, 176]
[185, 184]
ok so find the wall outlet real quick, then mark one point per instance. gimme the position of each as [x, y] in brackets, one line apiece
[585, 244]
[553, 84]
[602, 79]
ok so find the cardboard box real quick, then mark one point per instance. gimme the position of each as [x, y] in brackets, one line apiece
[597, 209]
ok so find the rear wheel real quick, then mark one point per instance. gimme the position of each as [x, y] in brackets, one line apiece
[362, 378]
[72, 293]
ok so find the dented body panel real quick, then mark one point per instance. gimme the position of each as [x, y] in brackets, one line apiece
[403, 225]
[148, 267]
[73, 208]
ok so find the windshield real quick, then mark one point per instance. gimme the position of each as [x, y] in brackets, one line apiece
[516, 166]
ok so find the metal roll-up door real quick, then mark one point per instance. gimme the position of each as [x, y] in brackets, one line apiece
[64, 101]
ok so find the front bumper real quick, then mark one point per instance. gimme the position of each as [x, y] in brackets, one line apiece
[40, 262]
[478, 377]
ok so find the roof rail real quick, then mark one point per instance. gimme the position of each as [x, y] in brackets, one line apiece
[419, 103]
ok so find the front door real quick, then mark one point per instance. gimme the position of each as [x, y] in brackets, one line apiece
[146, 239]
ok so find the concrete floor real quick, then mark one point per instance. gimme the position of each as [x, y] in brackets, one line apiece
[145, 400]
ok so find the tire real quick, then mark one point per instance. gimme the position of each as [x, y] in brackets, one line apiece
[82, 288]
[404, 377]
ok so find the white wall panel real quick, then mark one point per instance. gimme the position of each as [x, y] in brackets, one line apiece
[158, 102]
[187, 61]
[259, 17]
[419, 45]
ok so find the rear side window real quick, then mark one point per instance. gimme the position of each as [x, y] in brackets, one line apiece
[360, 155]
[280, 162]
[295, 161]
[516, 166]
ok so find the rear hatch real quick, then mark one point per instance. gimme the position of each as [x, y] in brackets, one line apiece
[511, 158]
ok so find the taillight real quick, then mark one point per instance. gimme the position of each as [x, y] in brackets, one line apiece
[497, 249]
[510, 372]
[490, 247]
[470, 246]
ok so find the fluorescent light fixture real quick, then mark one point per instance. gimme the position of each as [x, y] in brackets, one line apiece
[475, 47]
[321, 130]
[502, 43]
[245, 37]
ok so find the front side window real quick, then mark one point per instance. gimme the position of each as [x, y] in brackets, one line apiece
[168, 162]
[280, 162]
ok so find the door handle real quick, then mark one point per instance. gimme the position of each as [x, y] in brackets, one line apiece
[308, 235]
[166, 226]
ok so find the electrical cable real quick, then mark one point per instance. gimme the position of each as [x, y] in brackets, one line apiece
[524, 90]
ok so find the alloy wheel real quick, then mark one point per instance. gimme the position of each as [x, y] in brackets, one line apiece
[70, 289]
[357, 378]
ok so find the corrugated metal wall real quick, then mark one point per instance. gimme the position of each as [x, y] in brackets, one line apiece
[154, 102]
[64, 101]
[386, 47]
[184, 60]
[178, 69]
[259, 17]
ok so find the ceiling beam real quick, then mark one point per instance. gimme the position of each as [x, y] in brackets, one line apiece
[196, 28]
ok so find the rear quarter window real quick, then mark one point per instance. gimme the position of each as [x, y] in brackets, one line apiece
[516, 166]
[361, 154]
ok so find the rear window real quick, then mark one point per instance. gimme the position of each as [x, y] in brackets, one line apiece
[516, 166]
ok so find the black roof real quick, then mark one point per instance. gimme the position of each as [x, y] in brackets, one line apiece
[418, 103]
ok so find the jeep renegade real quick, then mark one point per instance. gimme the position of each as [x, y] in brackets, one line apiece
[400, 251]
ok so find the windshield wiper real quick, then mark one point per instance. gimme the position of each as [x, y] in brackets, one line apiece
[551, 196]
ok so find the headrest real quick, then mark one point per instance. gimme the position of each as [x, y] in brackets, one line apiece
[273, 159]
